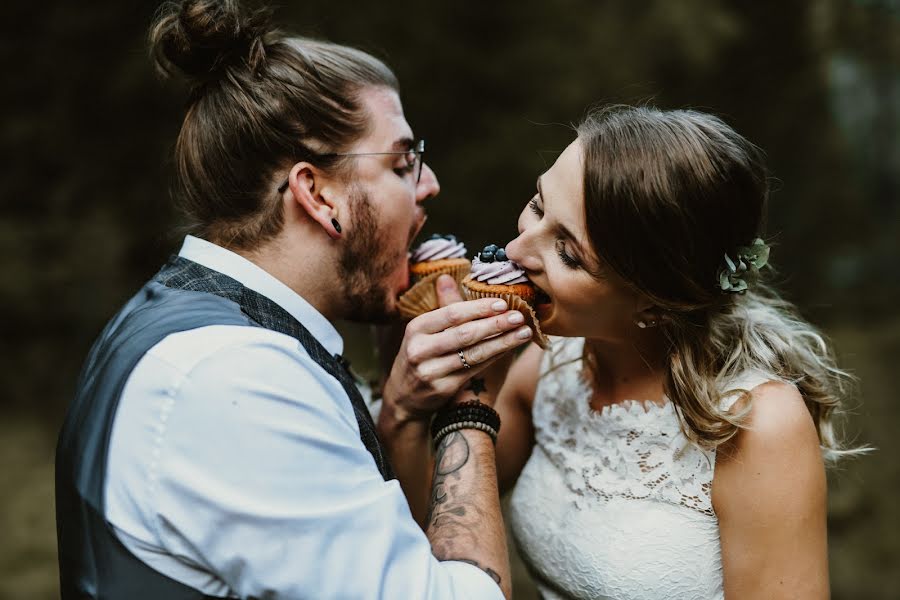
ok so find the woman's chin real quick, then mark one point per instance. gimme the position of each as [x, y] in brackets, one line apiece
[549, 319]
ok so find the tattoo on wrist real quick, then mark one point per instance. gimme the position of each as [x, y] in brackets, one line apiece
[451, 455]
[493, 574]
[476, 385]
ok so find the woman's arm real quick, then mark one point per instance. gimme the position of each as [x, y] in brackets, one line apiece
[516, 438]
[769, 492]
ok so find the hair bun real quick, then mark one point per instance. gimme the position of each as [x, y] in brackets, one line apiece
[201, 38]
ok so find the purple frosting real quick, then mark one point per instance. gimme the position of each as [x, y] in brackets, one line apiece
[501, 272]
[439, 249]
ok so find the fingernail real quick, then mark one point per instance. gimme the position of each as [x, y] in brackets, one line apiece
[516, 318]
[499, 305]
[446, 282]
[524, 333]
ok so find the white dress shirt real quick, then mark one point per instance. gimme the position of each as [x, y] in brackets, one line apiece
[236, 467]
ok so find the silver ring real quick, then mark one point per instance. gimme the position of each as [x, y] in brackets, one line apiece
[463, 359]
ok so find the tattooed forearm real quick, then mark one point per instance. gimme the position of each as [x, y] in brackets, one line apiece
[451, 455]
[464, 522]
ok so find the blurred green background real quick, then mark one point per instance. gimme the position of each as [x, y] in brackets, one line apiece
[87, 134]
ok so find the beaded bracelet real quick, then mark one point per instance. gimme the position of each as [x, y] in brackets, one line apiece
[473, 410]
[467, 415]
[465, 425]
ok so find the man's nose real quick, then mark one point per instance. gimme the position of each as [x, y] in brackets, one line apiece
[428, 185]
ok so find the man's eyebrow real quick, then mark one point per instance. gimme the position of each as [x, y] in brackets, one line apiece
[560, 228]
[404, 143]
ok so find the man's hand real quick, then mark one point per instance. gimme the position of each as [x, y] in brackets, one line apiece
[429, 370]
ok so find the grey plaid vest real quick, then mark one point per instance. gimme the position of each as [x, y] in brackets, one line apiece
[184, 295]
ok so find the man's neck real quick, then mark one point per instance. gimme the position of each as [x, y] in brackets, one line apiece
[305, 268]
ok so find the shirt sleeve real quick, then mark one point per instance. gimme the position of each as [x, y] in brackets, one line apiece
[263, 481]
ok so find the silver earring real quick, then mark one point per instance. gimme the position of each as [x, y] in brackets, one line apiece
[641, 324]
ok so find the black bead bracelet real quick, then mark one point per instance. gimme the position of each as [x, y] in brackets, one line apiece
[467, 415]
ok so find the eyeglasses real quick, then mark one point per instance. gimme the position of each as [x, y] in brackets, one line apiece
[413, 160]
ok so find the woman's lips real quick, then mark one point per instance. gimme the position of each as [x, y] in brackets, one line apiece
[541, 297]
[543, 304]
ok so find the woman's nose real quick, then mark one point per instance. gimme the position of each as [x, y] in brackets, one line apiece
[517, 250]
[428, 185]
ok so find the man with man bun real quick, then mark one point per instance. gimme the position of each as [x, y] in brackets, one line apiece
[217, 445]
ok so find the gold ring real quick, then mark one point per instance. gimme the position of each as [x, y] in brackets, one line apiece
[463, 359]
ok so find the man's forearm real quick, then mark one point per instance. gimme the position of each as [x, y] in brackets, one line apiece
[464, 520]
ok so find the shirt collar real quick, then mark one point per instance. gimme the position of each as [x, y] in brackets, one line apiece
[257, 279]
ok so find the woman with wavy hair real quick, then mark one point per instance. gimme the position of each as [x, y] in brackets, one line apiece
[671, 443]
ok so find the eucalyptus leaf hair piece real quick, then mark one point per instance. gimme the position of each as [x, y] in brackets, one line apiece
[737, 274]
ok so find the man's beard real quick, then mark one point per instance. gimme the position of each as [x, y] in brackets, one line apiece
[364, 268]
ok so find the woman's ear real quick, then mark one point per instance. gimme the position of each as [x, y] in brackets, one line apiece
[644, 320]
[647, 314]
[307, 186]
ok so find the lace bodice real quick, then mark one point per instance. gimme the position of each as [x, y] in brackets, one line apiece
[614, 504]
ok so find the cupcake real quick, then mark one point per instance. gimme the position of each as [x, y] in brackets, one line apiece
[438, 255]
[495, 276]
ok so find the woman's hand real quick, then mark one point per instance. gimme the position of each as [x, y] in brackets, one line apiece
[447, 347]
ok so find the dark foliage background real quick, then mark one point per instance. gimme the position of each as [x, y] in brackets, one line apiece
[87, 134]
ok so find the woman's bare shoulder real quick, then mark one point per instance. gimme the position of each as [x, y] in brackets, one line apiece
[777, 449]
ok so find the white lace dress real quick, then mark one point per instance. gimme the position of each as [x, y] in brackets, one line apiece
[614, 504]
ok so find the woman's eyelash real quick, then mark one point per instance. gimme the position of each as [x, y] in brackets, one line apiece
[560, 246]
[565, 258]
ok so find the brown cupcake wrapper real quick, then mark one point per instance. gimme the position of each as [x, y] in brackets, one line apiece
[444, 265]
[524, 291]
[422, 296]
[515, 302]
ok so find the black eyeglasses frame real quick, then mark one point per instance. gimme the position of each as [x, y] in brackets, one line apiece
[418, 149]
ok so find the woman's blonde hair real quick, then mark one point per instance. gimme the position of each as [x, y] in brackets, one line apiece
[667, 195]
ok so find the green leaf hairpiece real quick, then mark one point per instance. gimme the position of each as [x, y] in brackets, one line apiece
[734, 275]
